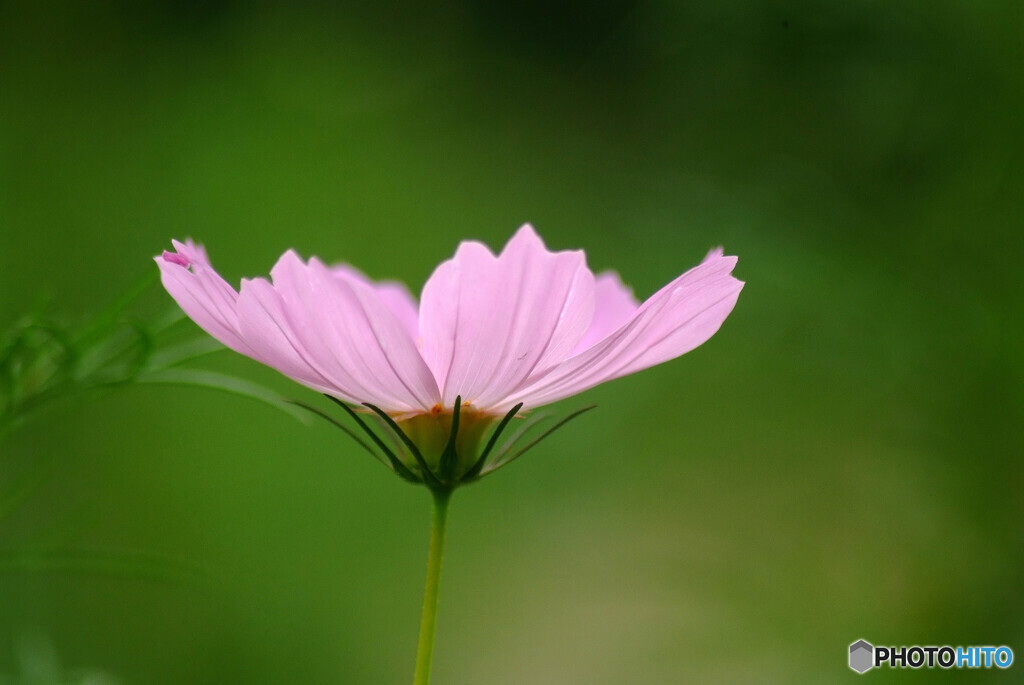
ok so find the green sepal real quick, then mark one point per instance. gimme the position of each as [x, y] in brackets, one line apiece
[396, 463]
[389, 460]
[504, 459]
[449, 458]
[428, 475]
[474, 471]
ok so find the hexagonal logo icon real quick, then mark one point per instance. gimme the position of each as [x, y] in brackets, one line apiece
[862, 656]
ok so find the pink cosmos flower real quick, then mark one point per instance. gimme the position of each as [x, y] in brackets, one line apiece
[521, 329]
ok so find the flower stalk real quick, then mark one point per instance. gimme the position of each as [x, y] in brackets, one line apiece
[428, 621]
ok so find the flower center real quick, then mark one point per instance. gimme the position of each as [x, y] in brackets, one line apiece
[431, 433]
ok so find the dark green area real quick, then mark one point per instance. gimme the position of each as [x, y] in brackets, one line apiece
[842, 461]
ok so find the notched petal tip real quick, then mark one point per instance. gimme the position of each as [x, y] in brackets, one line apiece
[527, 244]
[678, 318]
[714, 253]
[527, 230]
[719, 262]
[526, 238]
[489, 323]
[289, 265]
[186, 254]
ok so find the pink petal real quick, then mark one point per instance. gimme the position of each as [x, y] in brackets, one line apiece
[395, 296]
[220, 311]
[201, 292]
[673, 321]
[614, 305]
[265, 324]
[339, 330]
[491, 324]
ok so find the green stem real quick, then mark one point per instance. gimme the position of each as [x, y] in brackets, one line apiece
[425, 650]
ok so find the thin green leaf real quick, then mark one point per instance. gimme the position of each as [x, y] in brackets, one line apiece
[219, 381]
[170, 317]
[528, 425]
[118, 358]
[183, 352]
[54, 335]
[498, 464]
[413, 449]
[400, 468]
[475, 470]
[107, 318]
[386, 433]
[348, 431]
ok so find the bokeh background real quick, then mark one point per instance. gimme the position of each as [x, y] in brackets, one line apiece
[842, 461]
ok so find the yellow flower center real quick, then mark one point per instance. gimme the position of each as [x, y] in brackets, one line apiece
[431, 434]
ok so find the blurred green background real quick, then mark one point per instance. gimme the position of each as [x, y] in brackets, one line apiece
[842, 461]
